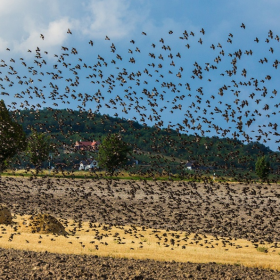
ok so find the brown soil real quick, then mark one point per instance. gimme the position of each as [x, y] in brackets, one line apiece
[31, 265]
[230, 210]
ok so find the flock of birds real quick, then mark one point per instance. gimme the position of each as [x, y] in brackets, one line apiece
[156, 93]
[220, 210]
[228, 212]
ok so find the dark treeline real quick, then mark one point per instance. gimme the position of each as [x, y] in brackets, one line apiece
[150, 144]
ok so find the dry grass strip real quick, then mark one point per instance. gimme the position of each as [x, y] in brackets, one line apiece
[139, 243]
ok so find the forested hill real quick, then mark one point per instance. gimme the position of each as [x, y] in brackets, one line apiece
[68, 126]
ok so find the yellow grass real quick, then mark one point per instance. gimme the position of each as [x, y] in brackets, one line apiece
[134, 242]
[59, 173]
[121, 175]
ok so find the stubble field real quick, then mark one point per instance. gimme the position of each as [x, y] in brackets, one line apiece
[142, 230]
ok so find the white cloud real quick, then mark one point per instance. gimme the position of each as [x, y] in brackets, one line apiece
[54, 35]
[22, 22]
[114, 18]
[26, 20]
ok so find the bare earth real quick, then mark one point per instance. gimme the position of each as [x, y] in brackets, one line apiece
[229, 210]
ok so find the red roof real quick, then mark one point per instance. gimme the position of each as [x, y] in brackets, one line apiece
[86, 144]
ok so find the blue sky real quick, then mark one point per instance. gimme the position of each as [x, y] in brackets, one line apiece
[178, 97]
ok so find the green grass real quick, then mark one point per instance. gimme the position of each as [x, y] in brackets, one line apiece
[189, 176]
[262, 249]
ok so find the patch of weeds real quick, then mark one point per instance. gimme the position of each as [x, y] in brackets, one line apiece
[237, 263]
[262, 249]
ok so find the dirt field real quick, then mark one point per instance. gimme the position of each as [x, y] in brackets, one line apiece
[31, 265]
[226, 212]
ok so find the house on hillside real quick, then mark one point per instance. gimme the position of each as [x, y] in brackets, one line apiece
[192, 165]
[88, 164]
[87, 145]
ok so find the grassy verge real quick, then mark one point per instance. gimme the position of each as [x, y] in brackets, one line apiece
[189, 176]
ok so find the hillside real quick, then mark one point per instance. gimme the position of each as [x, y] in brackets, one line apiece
[152, 146]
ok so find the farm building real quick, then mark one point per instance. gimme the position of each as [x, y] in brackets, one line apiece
[88, 164]
[192, 165]
[87, 145]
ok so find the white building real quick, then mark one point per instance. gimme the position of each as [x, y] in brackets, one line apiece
[88, 164]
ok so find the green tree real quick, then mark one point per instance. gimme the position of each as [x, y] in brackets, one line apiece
[262, 168]
[38, 148]
[113, 153]
[12, 136]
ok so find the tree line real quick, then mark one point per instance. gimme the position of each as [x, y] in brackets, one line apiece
[64, 127]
